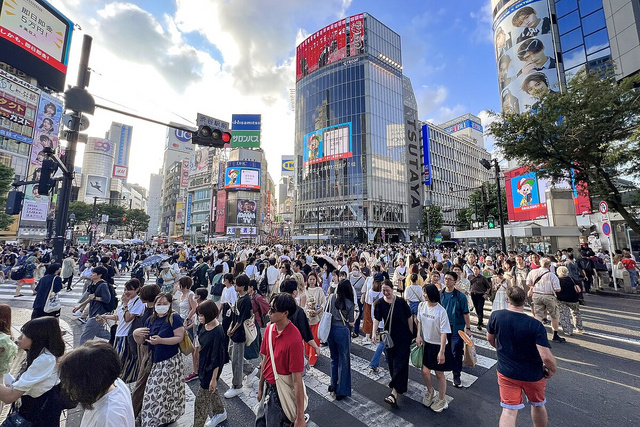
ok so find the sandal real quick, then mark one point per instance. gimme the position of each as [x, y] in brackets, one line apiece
[16, 296]
[391, 400]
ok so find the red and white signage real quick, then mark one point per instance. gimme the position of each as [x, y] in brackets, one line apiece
[120, 171]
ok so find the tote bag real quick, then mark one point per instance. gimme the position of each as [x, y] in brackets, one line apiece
[53, 299]
[324, 327]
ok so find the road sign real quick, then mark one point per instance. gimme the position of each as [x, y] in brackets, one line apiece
[604, 207]
[606, 228]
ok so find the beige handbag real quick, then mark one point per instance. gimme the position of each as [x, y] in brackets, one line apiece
[284, 385]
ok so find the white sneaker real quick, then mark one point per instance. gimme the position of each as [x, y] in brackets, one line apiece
[439, 405]
[366, 341]
[232, 392]
[250, 377]
[217, 419]
[77, 313]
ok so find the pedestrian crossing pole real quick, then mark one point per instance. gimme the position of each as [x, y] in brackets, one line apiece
[79, 101]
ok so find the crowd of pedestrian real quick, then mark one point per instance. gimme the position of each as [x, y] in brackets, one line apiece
[267, 310]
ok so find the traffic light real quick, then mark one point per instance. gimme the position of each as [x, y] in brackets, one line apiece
[210, 137]
[124, 219]
[49, 168]
[491, 222]
[14, 202]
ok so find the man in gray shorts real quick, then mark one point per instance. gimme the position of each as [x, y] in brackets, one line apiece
[543, 285]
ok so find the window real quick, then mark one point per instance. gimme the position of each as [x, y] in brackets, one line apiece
[589, 6]
[597, 41]
[574, 57]
[571, 40]
[594, 22]
[569, 22]
[565, 6]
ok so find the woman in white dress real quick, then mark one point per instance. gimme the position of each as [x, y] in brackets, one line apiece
[500, 285]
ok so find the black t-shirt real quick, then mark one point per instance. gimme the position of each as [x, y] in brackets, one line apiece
[300, 321]
[9, 259]
[241, 312]
[400, 332]
[517, 335]
[568, 291]
[213, 353]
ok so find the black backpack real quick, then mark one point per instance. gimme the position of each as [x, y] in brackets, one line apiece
[138, 272]
[263, 286]
[218, 286]
[113, 302]
[19, 273]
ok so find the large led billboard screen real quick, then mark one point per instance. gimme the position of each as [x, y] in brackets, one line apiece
[332, 43]
[242, 175]
[525, 54]
[526, 195]
[35, 38]
[330, 143]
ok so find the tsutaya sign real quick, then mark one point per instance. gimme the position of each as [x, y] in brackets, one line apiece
[414, 167]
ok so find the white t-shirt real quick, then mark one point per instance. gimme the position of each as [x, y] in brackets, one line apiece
[433, 321]
[40, 377]
[229, 295]
[114, 409]
[135, 307]
[413, 293]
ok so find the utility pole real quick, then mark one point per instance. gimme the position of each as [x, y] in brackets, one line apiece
[497, 170]
[78, 105]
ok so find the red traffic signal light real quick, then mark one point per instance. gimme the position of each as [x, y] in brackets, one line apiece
[124, 218]
[211, 137]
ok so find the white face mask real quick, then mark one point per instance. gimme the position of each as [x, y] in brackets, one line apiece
[162, 309]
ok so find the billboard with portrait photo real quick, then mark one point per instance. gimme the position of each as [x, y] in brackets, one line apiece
[199, 162]
[322, 48]
[525, 54]
[247, 212]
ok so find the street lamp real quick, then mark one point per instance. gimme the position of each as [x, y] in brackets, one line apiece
[487, 165]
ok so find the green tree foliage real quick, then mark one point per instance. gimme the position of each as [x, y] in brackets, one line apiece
[591, 129]
[463, 219]
[137, 221]
[83, 213]
[431, 221]
[115, 212]
[489, 202]
[6, 178]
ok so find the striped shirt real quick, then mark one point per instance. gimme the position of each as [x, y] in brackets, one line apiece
[547, 285]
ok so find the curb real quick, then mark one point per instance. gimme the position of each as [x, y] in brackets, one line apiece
[618, 294]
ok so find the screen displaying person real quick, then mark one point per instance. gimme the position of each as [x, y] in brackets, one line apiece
[510, 103]
[527, 18]
[536, 85]
[531, 53]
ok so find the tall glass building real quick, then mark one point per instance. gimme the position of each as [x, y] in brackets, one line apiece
[350, 139]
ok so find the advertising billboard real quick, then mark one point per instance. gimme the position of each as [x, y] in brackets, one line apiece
[199, 162]
[35, 206]
[525, 54]
[187, 220]
[287, 166]
[464, 125]
[35, 38]
[526, 195]
[97, 186]
[184, 172]
[178, 140]
[120, 172]
[242, 175]
[323, 47]
[426, 155]
[221, 207]
[18, 106]
[246, 212]
[246, 130]
[356, 34]
[330, 143]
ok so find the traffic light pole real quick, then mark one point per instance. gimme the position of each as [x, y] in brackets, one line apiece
[64, 196]
[504, 241]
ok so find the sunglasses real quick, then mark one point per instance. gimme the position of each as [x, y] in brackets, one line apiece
[535, 46]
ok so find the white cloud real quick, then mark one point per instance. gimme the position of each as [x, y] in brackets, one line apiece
[484, 19]
[489, 142]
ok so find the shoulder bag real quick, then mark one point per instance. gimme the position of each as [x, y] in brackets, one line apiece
[53, 300]
[186, 346]
[284, 386]
[250, 330]
[14, 419]
[385, 335]
[324, 327]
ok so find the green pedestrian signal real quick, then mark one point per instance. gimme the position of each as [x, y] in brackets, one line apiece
[491, 222]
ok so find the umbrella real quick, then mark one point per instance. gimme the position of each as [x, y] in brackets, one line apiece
[154, 259]
[279, 246]
[136, 240]
[321, 260]
[111, 242]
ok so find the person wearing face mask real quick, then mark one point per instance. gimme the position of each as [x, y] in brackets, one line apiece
[131, 307]
[212, 357]
[164, 394]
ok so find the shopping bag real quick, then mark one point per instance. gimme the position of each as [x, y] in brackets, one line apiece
[417, 355]
[470, 357]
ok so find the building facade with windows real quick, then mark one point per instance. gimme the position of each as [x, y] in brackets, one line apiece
[350, 147]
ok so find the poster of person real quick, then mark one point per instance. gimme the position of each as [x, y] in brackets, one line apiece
[49, 115]
[199, 162]
[35, 206]
[246, 211]
[97, 186]
[40, 142]
[525, 55]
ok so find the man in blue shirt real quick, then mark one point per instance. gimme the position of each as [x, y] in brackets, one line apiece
[99, 297]
[455, 303]
[524, 359]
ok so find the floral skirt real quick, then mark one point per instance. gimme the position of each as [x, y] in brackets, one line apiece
[163, 400]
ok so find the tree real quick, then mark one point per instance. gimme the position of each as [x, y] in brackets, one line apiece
[83, 213]
[463, 219]
[431, 221]
[137, 221]
[591, 130]
[6, 178]
[489, 202]
[115, 213]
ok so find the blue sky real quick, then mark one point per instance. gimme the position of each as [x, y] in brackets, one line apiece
[169, 59]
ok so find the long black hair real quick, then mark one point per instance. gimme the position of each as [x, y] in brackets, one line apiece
[44, 333]
[344, 293]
